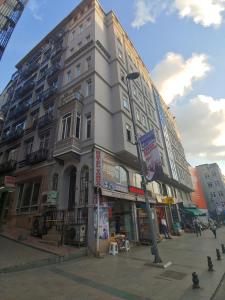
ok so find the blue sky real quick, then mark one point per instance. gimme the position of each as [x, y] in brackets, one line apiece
[181, 42]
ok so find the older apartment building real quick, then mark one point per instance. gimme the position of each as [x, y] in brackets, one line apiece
[68, 129]
[10, 13]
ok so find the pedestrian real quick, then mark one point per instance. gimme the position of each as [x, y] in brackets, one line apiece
[197, 227]
[212, 227]
[164, 228]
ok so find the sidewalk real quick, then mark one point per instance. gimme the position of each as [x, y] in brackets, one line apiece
[23, 236]
[125, 276]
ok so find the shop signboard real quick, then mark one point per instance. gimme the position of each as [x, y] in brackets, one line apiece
[98, 167]
[52, 197]
[135, 190]
[151, 156]
[168, 200]
[113, 186]
[9, 182]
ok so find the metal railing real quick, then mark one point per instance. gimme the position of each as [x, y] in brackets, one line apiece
[8, 166]
[37, 157]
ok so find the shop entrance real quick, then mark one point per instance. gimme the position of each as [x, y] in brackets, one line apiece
[121, 218]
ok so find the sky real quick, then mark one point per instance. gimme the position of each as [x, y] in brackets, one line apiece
[182, 44]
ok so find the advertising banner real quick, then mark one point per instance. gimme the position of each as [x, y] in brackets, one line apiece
[98, 167]
[151, 156]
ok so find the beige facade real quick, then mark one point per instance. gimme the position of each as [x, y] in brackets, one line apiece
[70, 99]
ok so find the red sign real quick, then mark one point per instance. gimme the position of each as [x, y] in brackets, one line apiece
[136, 190]
[9, 181]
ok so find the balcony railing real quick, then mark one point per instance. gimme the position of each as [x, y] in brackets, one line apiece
[77, 96]
[30, 70]
[52, 72]
[45, 120]
[14, 134]
[27, 86]
[37, 157]
[19, 110]
[47, 95]
[8, 166]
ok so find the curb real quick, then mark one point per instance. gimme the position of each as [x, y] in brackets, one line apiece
[218, 287]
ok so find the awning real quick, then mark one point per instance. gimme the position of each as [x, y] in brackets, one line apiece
[194, 211]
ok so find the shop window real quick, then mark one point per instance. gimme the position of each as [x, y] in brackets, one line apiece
[55, 180]
[84, 180]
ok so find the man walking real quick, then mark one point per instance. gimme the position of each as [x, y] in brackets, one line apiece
[164, 228]
[212, 227]
[197, 227]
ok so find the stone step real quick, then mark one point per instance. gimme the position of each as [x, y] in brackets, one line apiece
[51, 237]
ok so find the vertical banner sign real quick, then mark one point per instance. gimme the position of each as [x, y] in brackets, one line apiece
[98, 167]
[151, 156]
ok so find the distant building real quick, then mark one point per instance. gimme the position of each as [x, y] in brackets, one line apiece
[10, 12]
[198, 196]
[213, 186]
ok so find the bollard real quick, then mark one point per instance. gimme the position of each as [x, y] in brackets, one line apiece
[218, 254]
[223, 248]
[195, 281]
[210, 264]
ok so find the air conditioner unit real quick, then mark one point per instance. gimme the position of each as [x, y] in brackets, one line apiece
[75, 234]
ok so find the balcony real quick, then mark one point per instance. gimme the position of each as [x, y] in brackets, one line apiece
[30, 69]
[8, 166]
[56, 53]
[19, 110]
[52, 73]
[77, 96]
[45, 120]
[37, 157]
[67, 149]
[27, 86]
[47, 96]
[13, 135]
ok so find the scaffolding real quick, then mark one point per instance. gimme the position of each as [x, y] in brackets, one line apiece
[10, 12]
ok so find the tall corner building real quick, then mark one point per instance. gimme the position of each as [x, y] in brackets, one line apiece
[10, 12]
[68, 130]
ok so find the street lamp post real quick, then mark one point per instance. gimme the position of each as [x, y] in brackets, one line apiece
[152, 233]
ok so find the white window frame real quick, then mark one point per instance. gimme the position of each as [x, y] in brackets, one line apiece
[88, 87]
[78, 117]
[64, 132]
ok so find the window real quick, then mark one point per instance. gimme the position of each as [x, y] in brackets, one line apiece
[79, 45]
[162, 158]
[138, 115]
[28, 145]
[66, 125]
[78, 68]
[55, 180]
[69, 76]
[78, 125]
[88, 37]
[137, 180]
[88, 126]
[28, 196]
[72, 35]
[81, 28]
[44, 141]
[88, 87]
[88, 63]
[144, 121]
[121, 175]
[88, 22]
[126, 103]
[128, 132]
[120, 54]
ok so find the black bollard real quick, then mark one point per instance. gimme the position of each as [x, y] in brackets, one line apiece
[210, 264]
[218, 254]
[223, 248]
[195, 281]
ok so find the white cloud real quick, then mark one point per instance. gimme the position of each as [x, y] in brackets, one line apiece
[174, 76]
[35, 8]
[204, 12]
[202, 125]
[146, 11]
